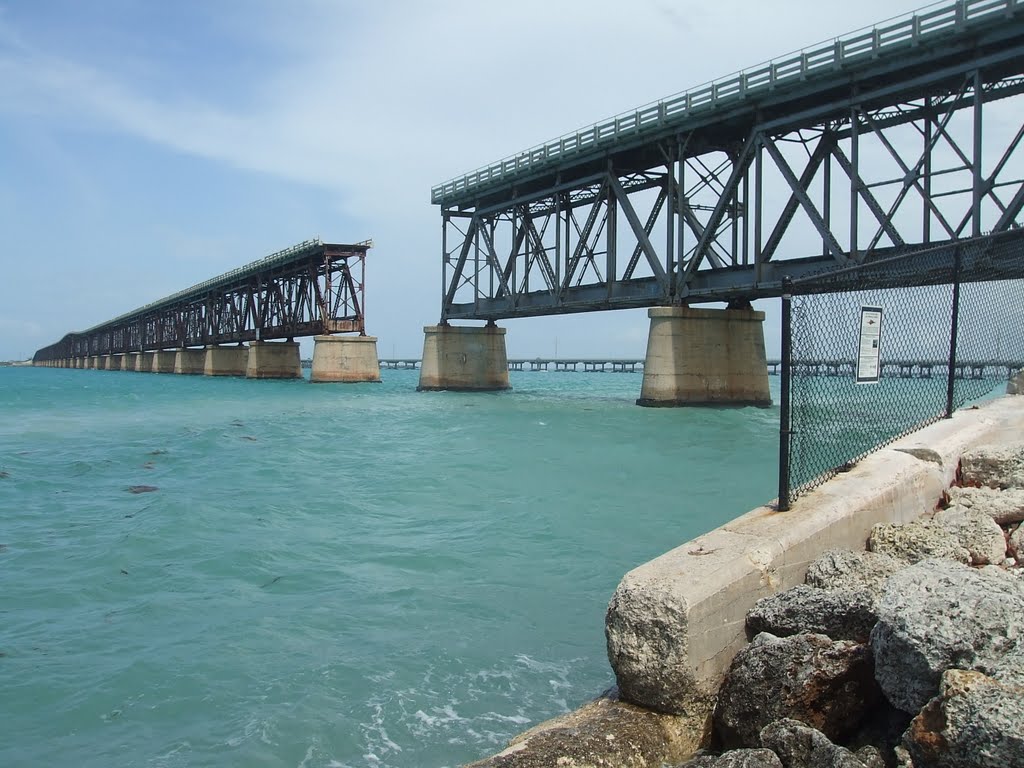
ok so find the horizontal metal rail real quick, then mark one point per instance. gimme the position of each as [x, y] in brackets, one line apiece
[922, 27]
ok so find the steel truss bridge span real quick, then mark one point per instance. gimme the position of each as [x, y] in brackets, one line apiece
[308, 289]
[873, 145]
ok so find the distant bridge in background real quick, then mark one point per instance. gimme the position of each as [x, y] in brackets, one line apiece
[903, 369]
[309, 289]
[868, 146]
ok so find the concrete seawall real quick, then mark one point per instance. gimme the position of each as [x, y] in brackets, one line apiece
[675, 623]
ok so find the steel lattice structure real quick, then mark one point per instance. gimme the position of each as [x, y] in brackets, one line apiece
[309, 289]
[871, 145]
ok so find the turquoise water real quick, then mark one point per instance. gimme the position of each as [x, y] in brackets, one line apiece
[330, 575]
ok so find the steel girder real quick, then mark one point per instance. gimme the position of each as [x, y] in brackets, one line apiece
[319, 290]
[692, 217]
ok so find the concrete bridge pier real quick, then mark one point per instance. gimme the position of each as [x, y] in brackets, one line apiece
[163, 361]
[129, 360]
[144, 362]
[274, 360]
[225, 361]
[705, 357]
[189, 361]
[464, 358]
[112, 363]
[345, 359]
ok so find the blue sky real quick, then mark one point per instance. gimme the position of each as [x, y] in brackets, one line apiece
[147, 146]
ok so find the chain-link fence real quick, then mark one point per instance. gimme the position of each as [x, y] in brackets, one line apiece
[874, 352]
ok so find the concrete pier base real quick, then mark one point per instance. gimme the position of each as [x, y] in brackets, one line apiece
[189, 361]
[163, 361]
[464, 358]
[345, 359]
[705, 357]
[128, 361]
[144, 362]
[112, 363]
[225, 361]
[274, 360]
[94, 362]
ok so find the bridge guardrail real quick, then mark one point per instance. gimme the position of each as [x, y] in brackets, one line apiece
[915, 28]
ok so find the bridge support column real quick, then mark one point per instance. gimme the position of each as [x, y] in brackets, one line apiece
[112, 363]
[94, 362]
[345, 358]
[705, 357]
[225, 361]
[128, 363]
[163, 361]
[189, 361]
[144, 362]
[463, 358]
[274, 360]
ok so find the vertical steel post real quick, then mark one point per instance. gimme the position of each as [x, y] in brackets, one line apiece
[854, 192]
[953, 329]
[976, 191]
[444, 262]
[927, 181]
[784, 416]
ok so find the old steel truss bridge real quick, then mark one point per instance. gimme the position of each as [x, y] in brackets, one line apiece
[875, 144]
[309, 289]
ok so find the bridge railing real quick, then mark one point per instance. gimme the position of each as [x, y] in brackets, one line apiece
[916, 28]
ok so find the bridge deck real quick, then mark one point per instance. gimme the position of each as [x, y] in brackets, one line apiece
[911, 43]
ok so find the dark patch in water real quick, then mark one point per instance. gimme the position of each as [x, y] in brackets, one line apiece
[250, 438]
[148, 465]
[4, 474]
[272, 581]
[124, 571]
[142, 488]
[157, 452]
[237, 423]
[3, 547]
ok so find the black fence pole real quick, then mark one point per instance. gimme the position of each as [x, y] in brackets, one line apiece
[954, 325]
[784, 417]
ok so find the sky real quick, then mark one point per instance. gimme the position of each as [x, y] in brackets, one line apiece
[146, 147]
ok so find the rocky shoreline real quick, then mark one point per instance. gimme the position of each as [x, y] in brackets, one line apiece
[768, 643]
[908, 654]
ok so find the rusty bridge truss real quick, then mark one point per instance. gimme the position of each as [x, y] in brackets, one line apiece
[309, 289]
[904, 136]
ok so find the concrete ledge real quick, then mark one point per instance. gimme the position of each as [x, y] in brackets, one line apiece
[675, 623]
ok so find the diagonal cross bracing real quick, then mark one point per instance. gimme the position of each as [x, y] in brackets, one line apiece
[869, 146]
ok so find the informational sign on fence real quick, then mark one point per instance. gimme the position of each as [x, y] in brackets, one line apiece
[869, 368]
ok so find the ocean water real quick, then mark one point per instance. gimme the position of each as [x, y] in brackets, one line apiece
[330, 575]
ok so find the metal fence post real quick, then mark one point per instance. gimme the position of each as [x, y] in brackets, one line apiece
[784, 417]
[954, 326]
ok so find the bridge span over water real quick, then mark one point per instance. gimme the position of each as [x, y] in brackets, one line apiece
[310, 289]
[886, 142]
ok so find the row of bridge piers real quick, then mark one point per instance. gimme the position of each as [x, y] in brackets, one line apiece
[335, 359]
[694, 357]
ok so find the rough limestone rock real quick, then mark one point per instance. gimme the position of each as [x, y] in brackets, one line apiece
[1002, 506]
[604, 733]
[936, 615]
[994, 466]
[975, 720]
[915, 541]
[800, 746]
[824, 683]
[845, 569]
[871, 756]
[737, 758]
[1015, 385]
[976, 531]
[646, 633]
[1015, 543]
[842, 614]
